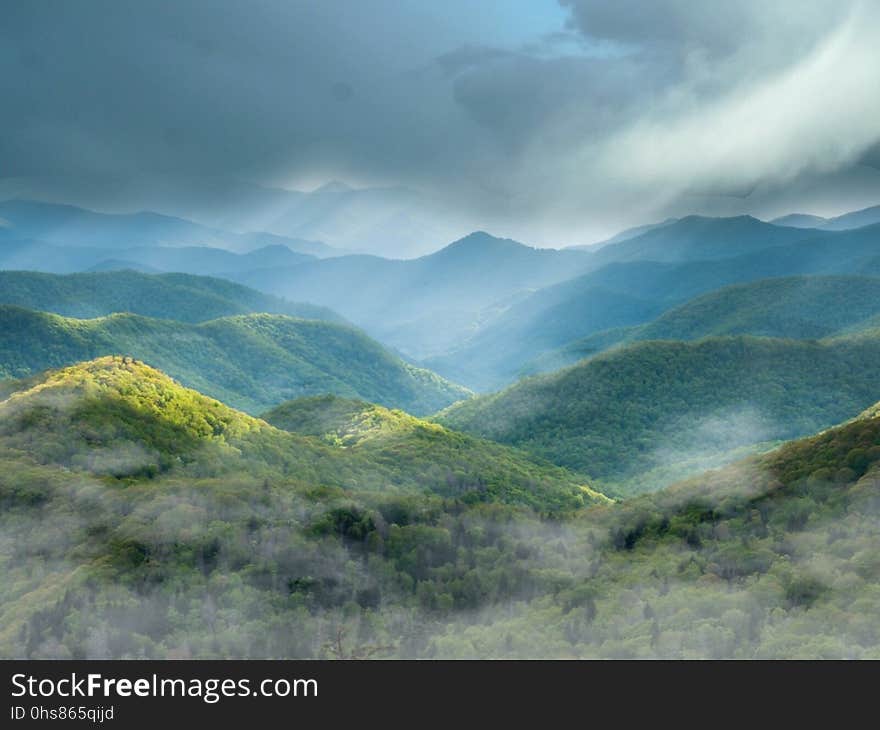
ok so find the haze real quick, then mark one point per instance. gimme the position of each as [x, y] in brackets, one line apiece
[552, 123]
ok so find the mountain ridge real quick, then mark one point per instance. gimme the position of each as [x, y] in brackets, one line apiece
[251, 361]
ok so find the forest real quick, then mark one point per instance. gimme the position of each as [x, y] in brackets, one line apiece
[140, 519]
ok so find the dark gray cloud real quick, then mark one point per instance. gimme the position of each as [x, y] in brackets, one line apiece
[552, 122]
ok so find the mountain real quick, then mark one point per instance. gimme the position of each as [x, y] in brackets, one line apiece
[261, 239]
[847, 221]
[441, 294]
[699, 238]
[89, 415]
[251, 361]
[182, 297]
[452, 321]
[561, 323]
[31, 255]
[385, 221]
[800, 220]
[646, 414]
[541, 322]
[798, 307]
[143, 485]
[412, 444]
[831, 252]
[624, 235]
[67, 225]
[856, 219]
[170, 526]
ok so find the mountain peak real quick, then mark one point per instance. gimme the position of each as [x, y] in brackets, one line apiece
[800, 220]
[481, 240]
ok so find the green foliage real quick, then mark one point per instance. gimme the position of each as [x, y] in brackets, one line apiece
[677, 407]
[470, 469]
[253, 542]
[182, 297]
[250, 361]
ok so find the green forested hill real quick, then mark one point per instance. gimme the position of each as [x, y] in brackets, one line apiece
[772, 557]
[797, 307]
[121, 418]
[413, 446]
[252, 361]
[677, 407]
[165, 525]
[183, 297]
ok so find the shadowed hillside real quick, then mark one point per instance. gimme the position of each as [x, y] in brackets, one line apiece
[250, 361]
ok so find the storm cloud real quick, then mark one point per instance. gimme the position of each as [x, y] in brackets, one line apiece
[552, 123]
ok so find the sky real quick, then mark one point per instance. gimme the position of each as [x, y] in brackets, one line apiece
[555, 123]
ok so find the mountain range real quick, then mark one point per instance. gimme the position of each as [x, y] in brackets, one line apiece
[253, 361]
[68, 225]
[674, 407]
[847, 221]
[554, 326]
[182, 297]
[442, 295]
[226, 466]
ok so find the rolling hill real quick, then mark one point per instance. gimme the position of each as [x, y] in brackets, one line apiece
[157, 514]
[251, 361]
[415, 446]
[803, 307]
[800, 307]
[140, 485]
[651, 412]
[183, 297]
[92, 416]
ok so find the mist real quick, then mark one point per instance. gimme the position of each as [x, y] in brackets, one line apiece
[552, 123]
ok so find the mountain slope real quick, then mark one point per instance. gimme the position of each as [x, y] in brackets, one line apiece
[539, 323]
[677, 407]
[698, 238]
[804, 307]
[831, 252]
[800, 220]
[251, 361]
[653, 286]
[673, 284]
[417, 446]
[442, 292]
[801, 307]
[624, 235]
[33, 255]
[183, 297]
[856, 219]
[123, 419]
[250, 542]
[131, 489]
[67, 225]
